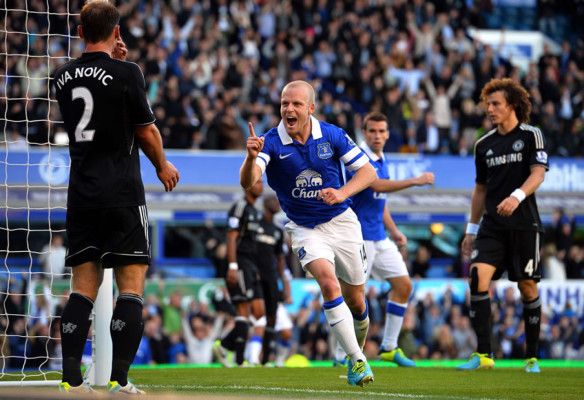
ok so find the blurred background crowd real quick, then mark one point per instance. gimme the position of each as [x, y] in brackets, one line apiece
[180, 329]
[212, 65]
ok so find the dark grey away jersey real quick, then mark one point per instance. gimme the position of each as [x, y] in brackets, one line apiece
[102, 99]
[503, 164]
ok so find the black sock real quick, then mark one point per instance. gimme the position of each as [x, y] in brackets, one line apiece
[532, 318]
[75, 325]
[480, 318]
[126, 330]
[241, 329]
[269, 343]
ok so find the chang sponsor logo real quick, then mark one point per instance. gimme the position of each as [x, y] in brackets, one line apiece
[308, 185]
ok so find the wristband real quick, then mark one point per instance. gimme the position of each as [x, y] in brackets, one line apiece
[233, 266]
[472, 229]
[518, 194]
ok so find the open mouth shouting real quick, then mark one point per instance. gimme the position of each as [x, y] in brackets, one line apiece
[291, 121]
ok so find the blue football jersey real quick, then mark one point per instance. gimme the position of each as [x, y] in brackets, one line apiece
[368, 204]
[298, 172]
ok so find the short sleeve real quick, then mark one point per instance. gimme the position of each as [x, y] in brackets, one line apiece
[141, 113]
[350, 154]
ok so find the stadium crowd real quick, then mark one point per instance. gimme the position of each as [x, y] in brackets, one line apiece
[179, 329]
[211, 66]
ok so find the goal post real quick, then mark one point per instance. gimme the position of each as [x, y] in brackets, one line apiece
[35, 38]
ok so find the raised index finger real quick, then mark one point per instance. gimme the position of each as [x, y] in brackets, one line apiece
[251, 131]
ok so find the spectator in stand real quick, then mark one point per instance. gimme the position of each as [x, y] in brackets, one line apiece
[215, 52]
[199, 336]
[575, 262]
[464, 338]
[421, 262]
[52, 257]
[158, 341]
[428, 135]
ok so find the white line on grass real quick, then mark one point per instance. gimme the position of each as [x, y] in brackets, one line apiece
[281, 389]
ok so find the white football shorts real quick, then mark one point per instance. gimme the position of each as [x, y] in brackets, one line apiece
[384, 260]
[283, 320]
[338, 241]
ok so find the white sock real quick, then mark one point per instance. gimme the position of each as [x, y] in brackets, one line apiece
[340, 320]
[340, 353]
[282, 351]
[254, 347]
[394, 319]
[361, 326]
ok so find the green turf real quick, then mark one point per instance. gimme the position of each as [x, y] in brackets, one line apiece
[430, 380]
[390, 383]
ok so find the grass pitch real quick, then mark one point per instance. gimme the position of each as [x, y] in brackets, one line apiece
[507, 381]
[430, 380]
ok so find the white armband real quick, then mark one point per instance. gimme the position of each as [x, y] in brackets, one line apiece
[472, 229]
[518, 194]
[233, 266]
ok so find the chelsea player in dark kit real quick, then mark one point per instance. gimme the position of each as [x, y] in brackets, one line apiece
[301, 158]
[511, 162]
[107, 117]
[242, 278]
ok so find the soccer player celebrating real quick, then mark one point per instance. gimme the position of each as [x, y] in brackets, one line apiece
[511, 162]
[107, 116]
[301, 160]
[242, 278]
[384, 261]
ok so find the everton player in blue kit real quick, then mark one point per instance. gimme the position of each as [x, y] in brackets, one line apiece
[301, 158]
[107, 116]
[511, 162]
[384, 261]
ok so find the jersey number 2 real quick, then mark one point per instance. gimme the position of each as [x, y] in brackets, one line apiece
[81, 134]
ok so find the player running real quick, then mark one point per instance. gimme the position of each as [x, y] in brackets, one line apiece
[301, 158]
[384, 261]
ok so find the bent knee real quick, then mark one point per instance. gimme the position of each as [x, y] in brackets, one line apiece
[330, 289]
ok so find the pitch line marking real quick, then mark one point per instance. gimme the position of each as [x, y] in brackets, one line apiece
[374, 394]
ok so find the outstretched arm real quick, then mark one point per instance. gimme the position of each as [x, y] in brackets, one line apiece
[150, 142]
[250, 172]
[391, 185]
[398, 238]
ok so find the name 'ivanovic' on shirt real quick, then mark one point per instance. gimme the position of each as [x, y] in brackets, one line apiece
[298, 172]
[504, 159]
[85, 72]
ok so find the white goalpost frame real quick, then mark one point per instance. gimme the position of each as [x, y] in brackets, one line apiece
[98, 372]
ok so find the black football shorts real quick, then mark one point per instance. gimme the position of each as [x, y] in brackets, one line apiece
[248, 285]
[271, 294]
[112, 236]
[514, 251]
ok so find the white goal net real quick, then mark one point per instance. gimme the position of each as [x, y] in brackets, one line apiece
[35, 37]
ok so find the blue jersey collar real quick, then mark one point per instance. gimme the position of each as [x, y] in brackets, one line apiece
[286, 139]
[371, 154]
